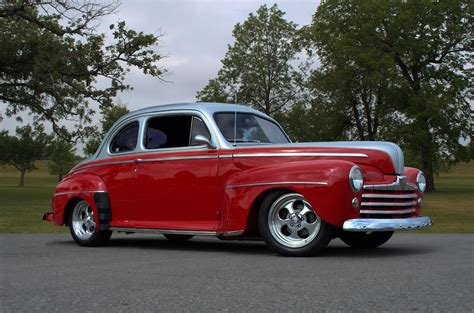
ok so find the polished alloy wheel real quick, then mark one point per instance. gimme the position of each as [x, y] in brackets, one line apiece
[292, 221]
[83, 222]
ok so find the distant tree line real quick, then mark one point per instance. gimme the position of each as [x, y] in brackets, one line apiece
[31, 143]
[362, 70]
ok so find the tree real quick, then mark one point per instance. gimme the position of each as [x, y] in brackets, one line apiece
[257, 68]
[215, 91]
[361, 94]
[23, 150]
[52, 58]
[428, 45]
[314, 122]
[109, 116]
[61, 158]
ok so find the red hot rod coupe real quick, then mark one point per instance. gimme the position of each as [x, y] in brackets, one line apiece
[232, 172]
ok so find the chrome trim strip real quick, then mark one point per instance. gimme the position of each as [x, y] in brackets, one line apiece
[195, 157]
[387, 211]
[278, 183]
[389, 196]
[386, 224]
[77, 191]
[198, 157]
[411, 203]
[164, 231]
[300, 154]
[232, 233]
[399, 185]
[104, 163]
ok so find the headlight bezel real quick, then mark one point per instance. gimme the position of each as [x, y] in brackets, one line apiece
[356, 179]
[421, 181]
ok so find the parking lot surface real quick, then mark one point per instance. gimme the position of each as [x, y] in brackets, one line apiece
[412, 272]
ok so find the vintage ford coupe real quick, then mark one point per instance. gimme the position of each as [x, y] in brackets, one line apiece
[232, 172]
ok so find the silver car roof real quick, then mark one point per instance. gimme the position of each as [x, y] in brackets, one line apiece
[208, 108]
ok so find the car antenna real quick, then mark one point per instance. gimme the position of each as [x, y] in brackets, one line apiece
[235, 120]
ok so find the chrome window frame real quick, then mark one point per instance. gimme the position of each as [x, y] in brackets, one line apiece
[117, 130]
[204, 111]
[142, 119]
[192, 113]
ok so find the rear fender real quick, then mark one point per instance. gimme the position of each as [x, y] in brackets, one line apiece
[83, 186]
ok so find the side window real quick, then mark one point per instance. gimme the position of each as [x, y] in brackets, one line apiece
[198, 128]
[126, 139]
[170, 131]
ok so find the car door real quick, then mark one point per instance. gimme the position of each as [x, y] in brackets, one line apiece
[119, 172]
[177, 178]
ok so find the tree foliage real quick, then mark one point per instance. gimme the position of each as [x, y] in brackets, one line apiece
[411, 59]
[109, 116]
[257, 68]
[21, 151]
[52, 58]
[61, 158]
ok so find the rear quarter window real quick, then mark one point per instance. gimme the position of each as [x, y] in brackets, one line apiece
[126, 139]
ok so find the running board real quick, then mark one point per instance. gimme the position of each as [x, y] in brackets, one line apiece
[176, 232]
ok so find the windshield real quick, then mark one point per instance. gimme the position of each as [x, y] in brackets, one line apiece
[250, 128]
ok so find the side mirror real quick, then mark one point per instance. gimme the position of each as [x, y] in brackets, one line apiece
[200, 140]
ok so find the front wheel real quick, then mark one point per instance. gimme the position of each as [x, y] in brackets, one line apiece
[291, 227]
[83, 226]
[365, 240]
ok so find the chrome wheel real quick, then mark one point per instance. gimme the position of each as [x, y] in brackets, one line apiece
[292, 221]
[83, 222]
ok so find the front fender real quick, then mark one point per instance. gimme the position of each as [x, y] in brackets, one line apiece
[86, 186]
[324, 183]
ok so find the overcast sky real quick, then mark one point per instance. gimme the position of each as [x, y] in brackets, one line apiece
[196, 36]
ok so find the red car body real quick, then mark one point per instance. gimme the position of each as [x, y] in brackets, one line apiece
[217, 190]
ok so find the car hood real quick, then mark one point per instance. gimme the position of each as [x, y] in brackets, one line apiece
[390, 150]
[393, 150]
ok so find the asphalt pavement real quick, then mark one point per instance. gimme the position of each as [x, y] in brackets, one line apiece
[147, 273]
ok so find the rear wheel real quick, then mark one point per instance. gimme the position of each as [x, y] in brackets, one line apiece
[291, 227]
[83, 226]
[365, 240]
[175, 237]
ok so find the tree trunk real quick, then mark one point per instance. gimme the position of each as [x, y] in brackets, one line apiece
[360, 129]
[427, 159]
[427, 168]
[22, 179]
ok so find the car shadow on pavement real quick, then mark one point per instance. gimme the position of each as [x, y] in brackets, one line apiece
[335, 249]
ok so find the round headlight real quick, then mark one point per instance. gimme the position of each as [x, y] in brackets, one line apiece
[421, 181]
[356, 180]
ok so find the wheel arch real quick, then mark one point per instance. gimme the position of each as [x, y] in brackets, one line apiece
[251, 225]
[68, 208]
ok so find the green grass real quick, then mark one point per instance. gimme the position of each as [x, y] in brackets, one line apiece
[452, 205]
[21, 209]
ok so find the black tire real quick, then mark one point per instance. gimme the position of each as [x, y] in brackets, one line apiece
[364, 240]
[93, 238]
[321, 238]
[176, 237]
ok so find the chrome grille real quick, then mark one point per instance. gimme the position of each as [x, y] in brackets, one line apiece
[398, 199]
